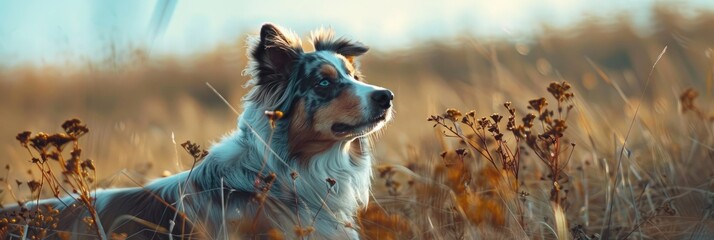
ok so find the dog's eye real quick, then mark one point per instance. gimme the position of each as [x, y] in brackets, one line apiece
[324, 83]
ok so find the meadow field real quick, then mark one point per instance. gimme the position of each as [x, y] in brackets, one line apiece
[634, 156]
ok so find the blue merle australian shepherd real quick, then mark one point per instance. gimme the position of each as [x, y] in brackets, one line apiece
[303, 175]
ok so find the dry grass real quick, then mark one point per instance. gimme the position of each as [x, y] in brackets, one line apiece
[641, 166]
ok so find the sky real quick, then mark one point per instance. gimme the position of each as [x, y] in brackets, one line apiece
[56, 32]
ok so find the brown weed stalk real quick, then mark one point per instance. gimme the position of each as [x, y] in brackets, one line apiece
[77, 175]
[485, 137]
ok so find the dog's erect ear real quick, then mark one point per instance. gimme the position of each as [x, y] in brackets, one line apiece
[274, 54]
[324, 40]
[271, 58]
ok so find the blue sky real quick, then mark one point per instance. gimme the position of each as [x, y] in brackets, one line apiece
[55, 32]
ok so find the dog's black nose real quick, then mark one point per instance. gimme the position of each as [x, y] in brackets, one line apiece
[382, 98]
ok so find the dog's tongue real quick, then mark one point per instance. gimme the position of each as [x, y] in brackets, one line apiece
[341, 127]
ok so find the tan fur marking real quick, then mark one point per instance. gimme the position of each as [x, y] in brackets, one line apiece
[303, 140]
[328, 71]
[349, 63]
[345, 108]
[306, 140]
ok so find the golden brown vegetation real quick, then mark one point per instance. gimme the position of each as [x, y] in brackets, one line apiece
[641, 166]
[74, 177]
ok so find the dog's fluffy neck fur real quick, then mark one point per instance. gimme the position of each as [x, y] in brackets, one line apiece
[241, 155]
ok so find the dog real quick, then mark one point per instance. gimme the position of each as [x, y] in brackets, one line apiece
[302, 174]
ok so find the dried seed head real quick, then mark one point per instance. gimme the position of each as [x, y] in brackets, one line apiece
[498, 136]
[496, 118]
[270, 178]
[511, 124]
[528, 120]
[40, 142]
[88, 164]
[273, 117]
[537, 104]
[75, 128]
[72, 166]
[560, 91]
[331, 181]
[471, 113]
[452, 114]
[34, 185]
[483, 122]
[24, 138]
[76, 153]
[194, 150]
[59, 140]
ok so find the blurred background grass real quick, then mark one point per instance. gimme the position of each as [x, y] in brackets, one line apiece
[134, 102]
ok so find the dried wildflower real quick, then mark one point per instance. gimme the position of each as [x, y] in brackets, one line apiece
[75, 128]
[270, 178]
[331, 181]
[76, 154]
[40, 142]
[194, 150]
[511, 125]
[273, 117]
[496, 117]
[34, 185]
[88, 164]
[466, 120]
[471, 114]
[452, 114]
[72, 166]
[59, 140]
[498, 136]
[24, 138]
[434, 118]
[528, 120]
[560, 91]
[74, 174]
[559, 127]
[537, 104]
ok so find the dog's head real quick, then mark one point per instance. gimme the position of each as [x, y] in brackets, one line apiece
[321, 92]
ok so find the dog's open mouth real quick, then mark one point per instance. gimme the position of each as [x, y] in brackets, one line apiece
[342, 129]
